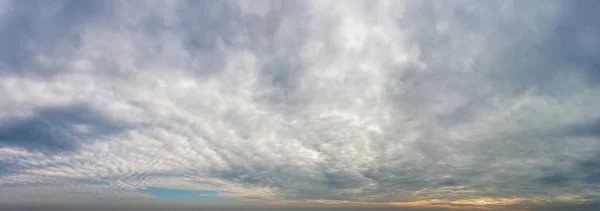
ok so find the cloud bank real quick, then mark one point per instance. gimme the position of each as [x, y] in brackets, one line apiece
[431, 102]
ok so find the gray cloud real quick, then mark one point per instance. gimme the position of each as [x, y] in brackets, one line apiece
[57, 129]
[39, 37]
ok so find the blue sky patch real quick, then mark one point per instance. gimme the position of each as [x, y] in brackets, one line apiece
[6, 174]
[168, 194]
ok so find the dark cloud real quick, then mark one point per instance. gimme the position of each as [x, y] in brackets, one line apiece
[557, 48]
[570, 43]
[586, 129]
[590, 169]
[554, 180]
[57, 129]
[46, 30]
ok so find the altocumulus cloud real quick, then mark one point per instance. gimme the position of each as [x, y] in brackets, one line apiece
[386, 102]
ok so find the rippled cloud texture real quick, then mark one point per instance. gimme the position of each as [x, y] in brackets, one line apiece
[447, 104]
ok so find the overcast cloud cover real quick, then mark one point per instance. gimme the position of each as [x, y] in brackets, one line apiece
[407, 103]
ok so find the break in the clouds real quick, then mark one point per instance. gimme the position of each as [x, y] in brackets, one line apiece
[409, 103]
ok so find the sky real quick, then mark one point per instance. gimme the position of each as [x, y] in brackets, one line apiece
[300, 104]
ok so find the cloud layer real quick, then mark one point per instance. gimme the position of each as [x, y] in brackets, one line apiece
[378, 102]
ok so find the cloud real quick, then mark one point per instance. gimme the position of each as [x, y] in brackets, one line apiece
[401, 101]
[56, 129]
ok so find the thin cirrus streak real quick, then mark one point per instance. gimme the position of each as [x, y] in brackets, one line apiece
[435, 104]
